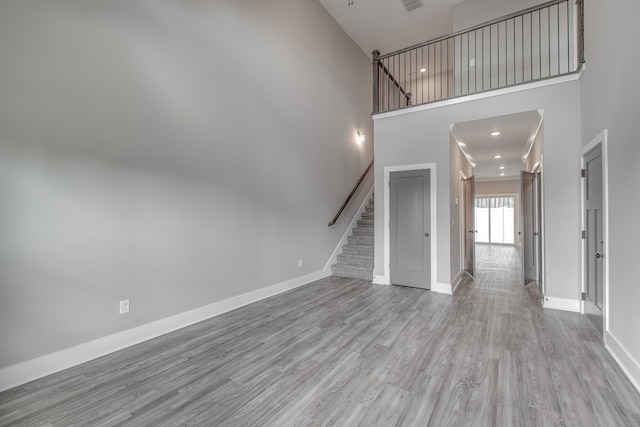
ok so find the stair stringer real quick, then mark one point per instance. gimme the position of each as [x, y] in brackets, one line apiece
[348, 232]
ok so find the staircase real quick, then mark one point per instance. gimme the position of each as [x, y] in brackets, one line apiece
[356, 259]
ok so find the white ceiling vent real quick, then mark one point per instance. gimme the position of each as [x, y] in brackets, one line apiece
[412, 4]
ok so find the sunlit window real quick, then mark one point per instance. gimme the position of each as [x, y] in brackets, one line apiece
[495, 220]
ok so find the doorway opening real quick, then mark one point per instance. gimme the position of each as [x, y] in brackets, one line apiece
[504, 230]
[495, 220]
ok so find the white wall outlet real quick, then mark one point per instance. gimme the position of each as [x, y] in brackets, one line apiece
[299, 263]
[124, 306]
[472, 62]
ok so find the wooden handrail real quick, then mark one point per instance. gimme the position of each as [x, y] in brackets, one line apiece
[346, 202]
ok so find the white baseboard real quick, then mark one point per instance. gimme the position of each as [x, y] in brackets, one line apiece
[442, 288]
[381, 280]
[456, 282]
[562, 304]
[627, 362]
[21, 373]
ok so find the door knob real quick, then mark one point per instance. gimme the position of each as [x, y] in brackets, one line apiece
[598, 256]
[426, 234]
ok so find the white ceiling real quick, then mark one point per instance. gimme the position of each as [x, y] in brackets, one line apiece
[387, 26]
[517, 132]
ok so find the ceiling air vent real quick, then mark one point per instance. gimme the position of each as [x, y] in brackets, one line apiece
[412, 4]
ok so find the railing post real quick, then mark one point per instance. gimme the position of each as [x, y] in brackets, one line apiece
[376, 81]
[580, 6]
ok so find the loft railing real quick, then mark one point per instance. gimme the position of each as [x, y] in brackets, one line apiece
[353, 191]
[535, 44]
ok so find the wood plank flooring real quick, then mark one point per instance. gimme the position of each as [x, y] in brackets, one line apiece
[344, 352]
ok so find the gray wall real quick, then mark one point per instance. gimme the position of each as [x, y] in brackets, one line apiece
[611, 100]
[173, 153]
[498, 187]
[459, 163]
[423, 137]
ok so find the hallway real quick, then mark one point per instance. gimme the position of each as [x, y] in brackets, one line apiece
[344, 352]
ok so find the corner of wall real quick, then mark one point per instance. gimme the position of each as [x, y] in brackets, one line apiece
[625, 360]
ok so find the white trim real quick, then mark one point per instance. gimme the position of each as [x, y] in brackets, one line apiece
[349, 231]
[456, 282]
[533, 138]
[562, 304]
[442, 288]
[464, 152]
[628, 364]
[505, 91]
[600, 140]
[543, 240]
[381, 279]
[461, 222]
[30, 370]
[386, 279]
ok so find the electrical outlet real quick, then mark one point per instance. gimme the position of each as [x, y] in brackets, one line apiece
[124, 306]
[299, 263]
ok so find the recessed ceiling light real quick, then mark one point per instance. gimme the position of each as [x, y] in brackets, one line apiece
[496, 133]
[501, 167]
[501, 174]
[422, 70]
[497, 156]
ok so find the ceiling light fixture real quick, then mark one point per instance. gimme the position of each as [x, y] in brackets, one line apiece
[422, 70]
[496, 133]
[501, 174]
[501, 167]
[497, 156]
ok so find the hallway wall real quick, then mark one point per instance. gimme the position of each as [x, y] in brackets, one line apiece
[611, 100]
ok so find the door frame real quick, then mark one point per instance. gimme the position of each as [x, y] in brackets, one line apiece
[539, 169]
[386, 279]
[599, 140]
[461, 218]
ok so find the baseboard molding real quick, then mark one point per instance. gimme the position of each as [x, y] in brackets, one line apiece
[627, 362]
[562, 304]
[442, 288]
[456, 282]
[22, 373]
[334, 256]
[381, 280]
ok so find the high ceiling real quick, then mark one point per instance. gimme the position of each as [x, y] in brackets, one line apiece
[517, 132]
[387, 26]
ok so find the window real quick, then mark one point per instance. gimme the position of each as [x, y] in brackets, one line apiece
[495, 220]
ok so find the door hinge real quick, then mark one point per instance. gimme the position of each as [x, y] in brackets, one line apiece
[583, 173]
[583, 296]
[584, 234]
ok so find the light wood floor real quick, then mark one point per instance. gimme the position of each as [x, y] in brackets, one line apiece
[345, 352]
